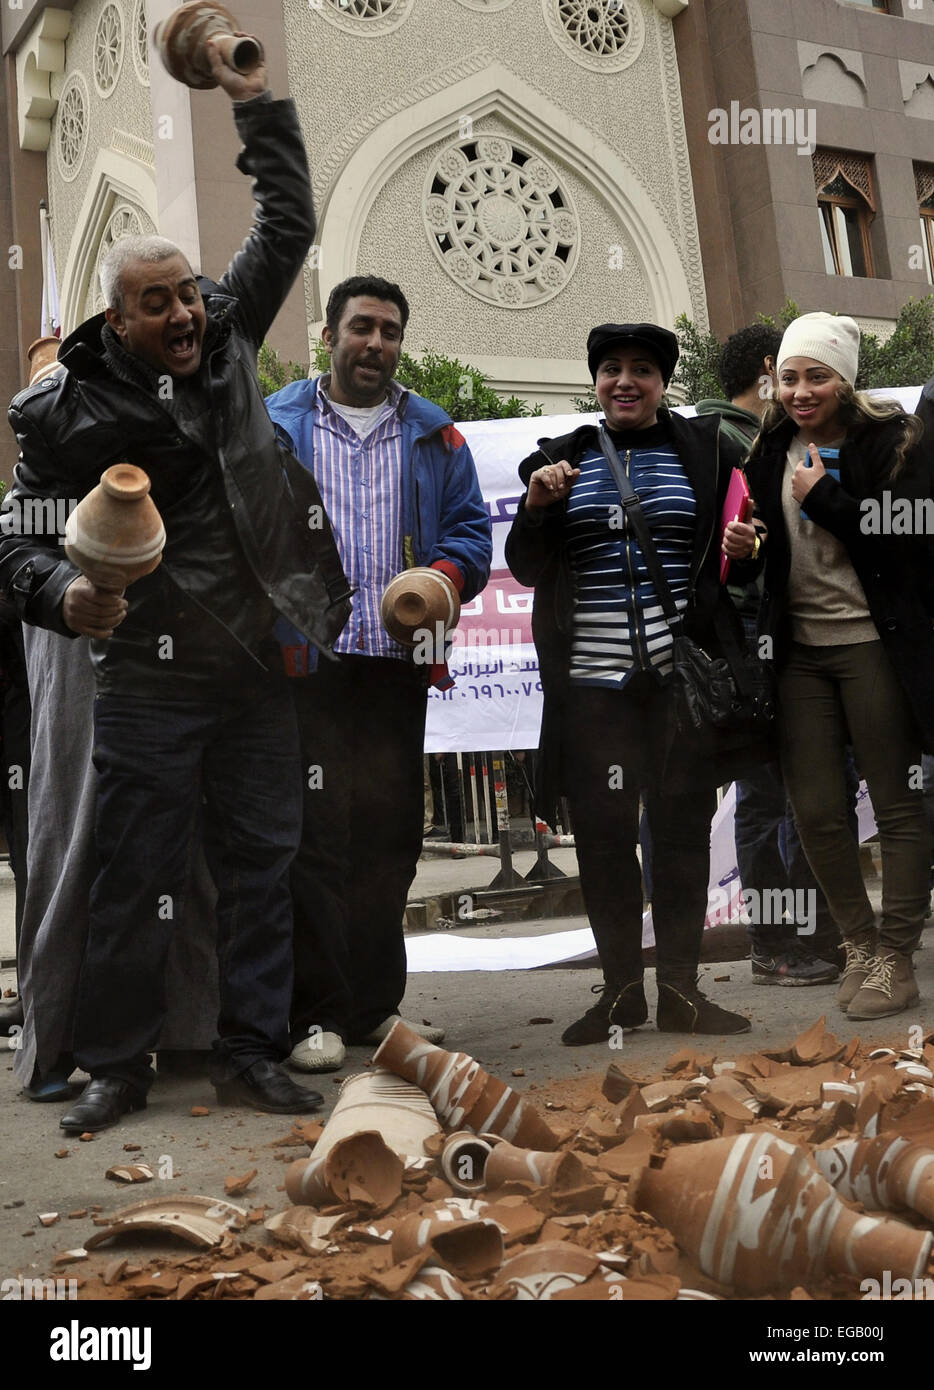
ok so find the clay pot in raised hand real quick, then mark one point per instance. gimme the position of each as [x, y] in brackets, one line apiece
[754, 1213]
[420, 601]
[181, 43]
[463, 1094]
[115, 534]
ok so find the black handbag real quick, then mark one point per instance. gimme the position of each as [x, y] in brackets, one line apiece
[711, 692]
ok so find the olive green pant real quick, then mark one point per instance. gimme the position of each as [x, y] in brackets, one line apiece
[828, 697]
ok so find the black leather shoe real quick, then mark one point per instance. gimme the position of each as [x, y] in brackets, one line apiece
[683, 1009]
[101, 1104]
[267, 1086]
[620, 1006]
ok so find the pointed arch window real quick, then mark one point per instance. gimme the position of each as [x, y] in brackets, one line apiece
[924, 187]
[846, 206]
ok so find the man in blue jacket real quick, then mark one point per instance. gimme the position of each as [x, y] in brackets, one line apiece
[400, 489]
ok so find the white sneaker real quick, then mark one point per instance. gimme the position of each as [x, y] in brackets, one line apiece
[423, 1030]
[318, 1052]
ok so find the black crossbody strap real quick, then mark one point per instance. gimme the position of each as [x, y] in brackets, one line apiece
[641, 528]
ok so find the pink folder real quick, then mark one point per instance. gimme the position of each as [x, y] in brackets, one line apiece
[737, 507]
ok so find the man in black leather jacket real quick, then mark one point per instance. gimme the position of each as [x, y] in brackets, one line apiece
[191, 701]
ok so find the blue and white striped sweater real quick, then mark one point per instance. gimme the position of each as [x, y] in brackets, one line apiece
[619, 626]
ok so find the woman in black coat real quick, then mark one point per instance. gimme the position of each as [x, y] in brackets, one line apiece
[847, 607]
[608, 728]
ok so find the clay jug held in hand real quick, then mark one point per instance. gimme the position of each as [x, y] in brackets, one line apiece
[181, 43]
[115, 534]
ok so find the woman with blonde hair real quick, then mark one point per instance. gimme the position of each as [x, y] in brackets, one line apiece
[848, 602]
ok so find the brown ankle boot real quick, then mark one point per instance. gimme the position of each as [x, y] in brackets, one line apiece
[890, 986]
[859, 953]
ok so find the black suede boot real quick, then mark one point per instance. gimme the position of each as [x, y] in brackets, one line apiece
[683, 1009]
[620, 1006]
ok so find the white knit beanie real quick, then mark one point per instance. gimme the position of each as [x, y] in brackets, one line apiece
[832, 339]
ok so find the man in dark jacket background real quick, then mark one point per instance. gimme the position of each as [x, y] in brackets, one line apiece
[191, 699]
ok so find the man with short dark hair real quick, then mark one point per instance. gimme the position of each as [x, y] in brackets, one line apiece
[189, 709]
[401, 489]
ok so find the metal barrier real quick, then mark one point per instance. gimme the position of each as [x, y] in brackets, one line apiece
[477, 775]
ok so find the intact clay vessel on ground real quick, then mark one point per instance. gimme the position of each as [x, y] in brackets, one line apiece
[115, 534]
[181, 38]
[754, 1213]
[463, 1094]
[885, 1174]
[419, 601]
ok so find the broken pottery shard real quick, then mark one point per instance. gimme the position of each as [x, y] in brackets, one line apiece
[190, 1284]
[796, 1087]
[48, 1218]
[68, 1257]
[130, 1172]
[544, 1270]
[359, 1168]
[468, 1245]
[380, 1104]
[199, 1111]
[688, 1126]
[202, 1221]
[689, 1062]
[517, 1219]
[434, 1284]
[235, 1187]
[558, 1171]
[884, 1174]
[622, 1161]
[666, 1095]
[114, 1269]
[161, 1283]
[755, 1213]
[815, 1045]
[627, 1110]
[616, 1084]
[302, 1226]
[464, 1096]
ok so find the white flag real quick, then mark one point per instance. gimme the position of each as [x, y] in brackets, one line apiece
[51, 324]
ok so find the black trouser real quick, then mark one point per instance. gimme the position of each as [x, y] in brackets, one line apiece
[614, 736]
[362, 728]
[154, 759]
[829, 696]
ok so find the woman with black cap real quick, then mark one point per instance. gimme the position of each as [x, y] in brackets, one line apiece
[605, 651]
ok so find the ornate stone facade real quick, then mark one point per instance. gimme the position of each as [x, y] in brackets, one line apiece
[427, 182]
[519, 166]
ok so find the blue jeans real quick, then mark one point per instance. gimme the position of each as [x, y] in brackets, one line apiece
[155, 760]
